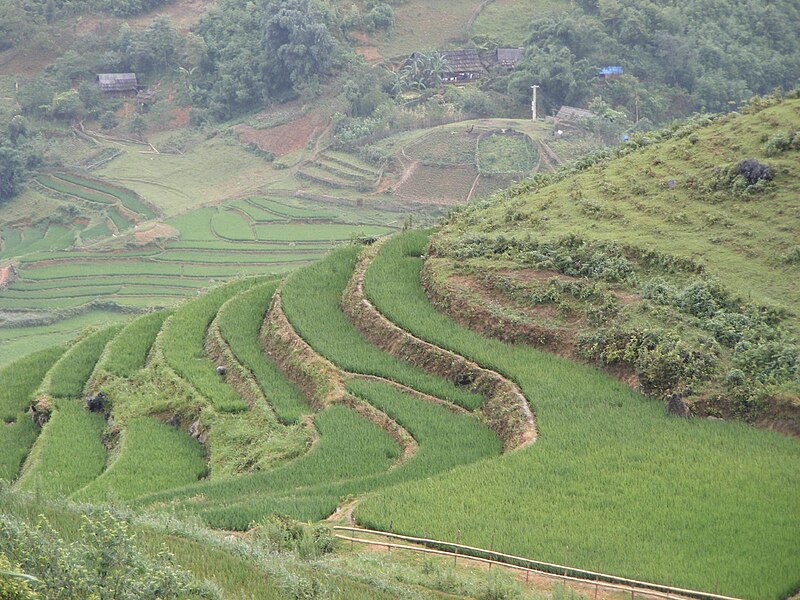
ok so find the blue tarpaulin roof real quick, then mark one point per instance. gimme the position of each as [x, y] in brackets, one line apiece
[611, 71]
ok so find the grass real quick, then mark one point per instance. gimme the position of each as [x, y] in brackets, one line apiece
[17, 431]
[128, 198]
[69, 375]
[35, 239]
[183, 341]
[628, 489]
[444, 147]
[317, 233]
[177, 183]
[501, 22]
[19, 341]
[230, 225]
[152, 456]
[311, 300]
[68, 454]
[240, 323]
[78, 191]
[349, 446]
[506, 154]
[127, 352]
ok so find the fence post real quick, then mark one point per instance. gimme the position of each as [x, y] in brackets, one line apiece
[458, 541]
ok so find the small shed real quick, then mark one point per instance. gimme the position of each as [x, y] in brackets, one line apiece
[113, 83]
[509, 57]
[610, 72]
[462, 65]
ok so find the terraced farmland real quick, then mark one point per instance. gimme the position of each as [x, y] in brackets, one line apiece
[423, 450]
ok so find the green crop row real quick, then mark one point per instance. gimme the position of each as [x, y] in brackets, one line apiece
[128, 199]
[187, 285]
[71, 189]
[317, 233]
[311, 300]
[69, 452]
[122, 268]
[24, 304]
[230, 225]
[292, 211]
[184, 337]
[152, 456]
[349, 446]
[68, 376]
[265, 257]
[36, 239]
[17, 431]
[630, 490]
[240, 323]
[127, 352]
[446, 441]
[245, 247]
[120, 222]
[257, 213]
[49, 294]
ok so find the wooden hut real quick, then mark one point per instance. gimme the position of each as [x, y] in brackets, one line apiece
[462, 65]
[117, 83]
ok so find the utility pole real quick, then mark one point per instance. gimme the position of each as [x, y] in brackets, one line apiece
[533, 102]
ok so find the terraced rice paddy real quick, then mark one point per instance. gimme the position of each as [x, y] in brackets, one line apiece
[628, 489]
[18, 432]
[239, 323]
[311, 301]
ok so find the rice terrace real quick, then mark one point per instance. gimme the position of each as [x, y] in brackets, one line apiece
[312, 299]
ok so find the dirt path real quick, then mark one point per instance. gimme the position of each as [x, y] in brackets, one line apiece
[477, 12]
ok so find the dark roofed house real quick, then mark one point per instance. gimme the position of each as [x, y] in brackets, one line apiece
[509, 57]
[462, 65]
[117, 82]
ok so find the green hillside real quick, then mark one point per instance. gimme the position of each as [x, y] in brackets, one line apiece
[663, 261]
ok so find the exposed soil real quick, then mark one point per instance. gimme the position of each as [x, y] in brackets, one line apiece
[156, 233]
[7, 275]
[285, 138]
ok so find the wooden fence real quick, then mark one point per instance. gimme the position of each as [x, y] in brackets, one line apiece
[561, 572]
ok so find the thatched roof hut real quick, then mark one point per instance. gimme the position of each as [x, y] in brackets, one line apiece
[117, 82]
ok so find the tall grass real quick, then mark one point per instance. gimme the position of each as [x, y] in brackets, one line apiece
[127, 352]
[18, 382]
[183, 338]
[628, 489]
[349, 446]
[69, 375]
[68, 454]
[446, 440]
[311, 300]
[240, 322]
[152, 457]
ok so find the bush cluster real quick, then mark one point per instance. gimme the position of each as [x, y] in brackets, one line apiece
[103, 562]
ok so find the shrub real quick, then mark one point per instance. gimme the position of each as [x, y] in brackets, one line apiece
[754, 171]
[782, 143]
[103, 563]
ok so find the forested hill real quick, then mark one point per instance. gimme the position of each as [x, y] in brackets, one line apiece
[677, 55]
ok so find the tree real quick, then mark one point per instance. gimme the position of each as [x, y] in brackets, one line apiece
[12, 172]
[17, 127]
[137, 125]
[298, 44]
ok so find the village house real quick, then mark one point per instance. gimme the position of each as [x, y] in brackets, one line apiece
[117, 83]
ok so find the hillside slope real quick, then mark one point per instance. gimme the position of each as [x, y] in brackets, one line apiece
[664, 263]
